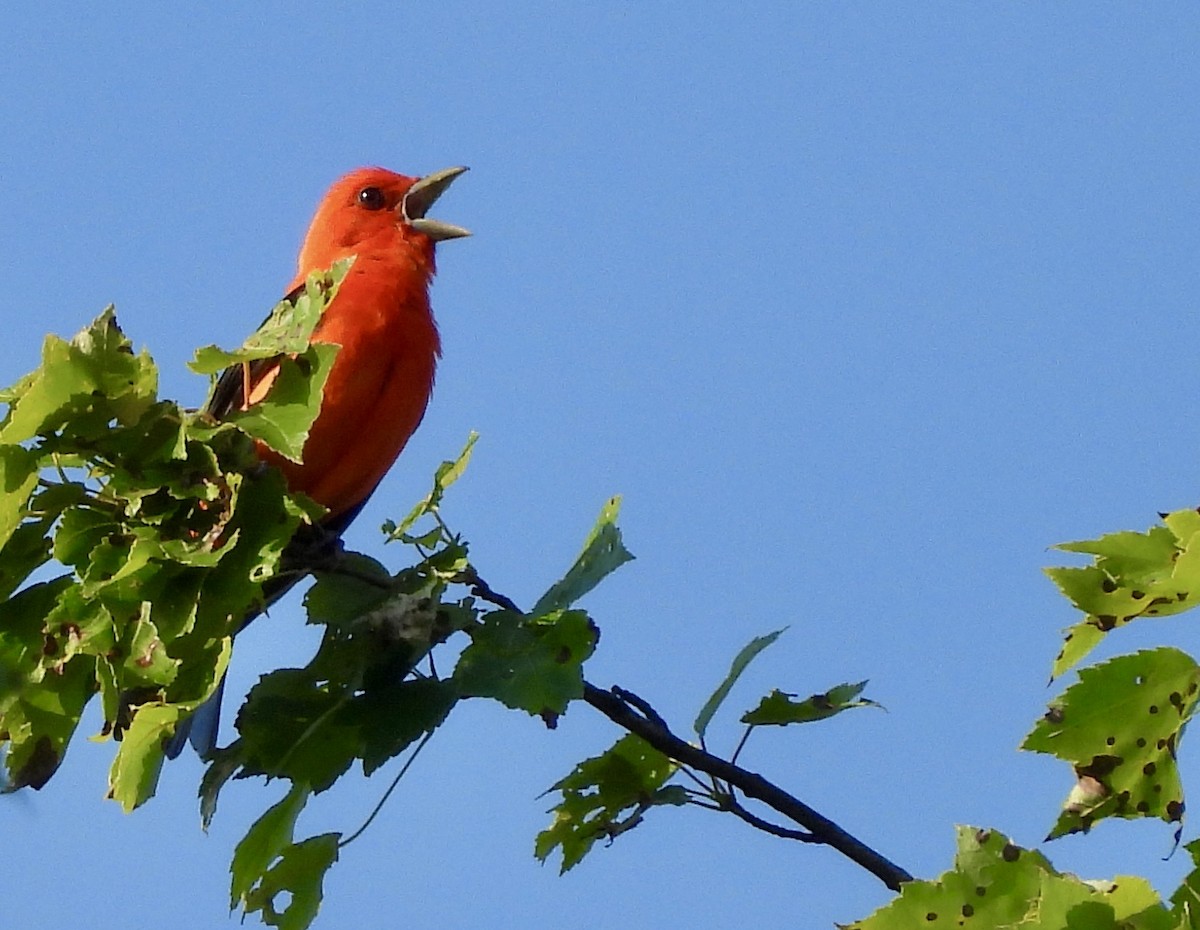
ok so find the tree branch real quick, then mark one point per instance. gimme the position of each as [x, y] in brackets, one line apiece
[627, 713]
[631, 712]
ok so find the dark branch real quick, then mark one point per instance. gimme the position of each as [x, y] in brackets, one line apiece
[730, 803]
[633, 713]
[619, 708]
[483, 591]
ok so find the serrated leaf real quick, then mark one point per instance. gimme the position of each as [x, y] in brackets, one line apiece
[1187, 895]
[740, 662]
[605, 796]
[284, 417]
[264, 842]
[96, 374]
[393, 718]
[780, 709]
[286, 331]
[1125, 903]
[994, 883]
[603, 553]
[1118, 726]
[533, 664]
[1078, 641]
[1133, 575]
[292, 728]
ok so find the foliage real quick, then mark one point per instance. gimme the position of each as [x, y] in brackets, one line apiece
[136, 538]
[995, 883]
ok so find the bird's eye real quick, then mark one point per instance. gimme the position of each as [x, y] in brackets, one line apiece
[372, 198]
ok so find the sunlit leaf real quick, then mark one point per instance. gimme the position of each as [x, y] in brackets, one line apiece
[603, 553]
[606, 796]
[1119, 727]
[264, 842]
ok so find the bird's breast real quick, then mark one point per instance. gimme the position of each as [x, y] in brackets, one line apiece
[378, 387]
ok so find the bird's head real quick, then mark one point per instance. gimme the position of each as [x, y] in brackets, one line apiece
[376, 211]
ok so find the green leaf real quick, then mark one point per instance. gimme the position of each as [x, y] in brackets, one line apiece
[1126, 903]
[41, 722]
[994, 883]
[780, 709]
[284, 417]
[997, 884]
[392, 718]
[340, 597]
[741, 660]
[447, 473]
[134, 773]
[264, 843]
[26, 550]
[533, 664]
[96, 378]
[299, 874]
[291, 727]
[286, 331]
[18, 478]
[223, 764]
[1118, 726]
[1133, 575]
[606, 796]
[1186, 898]
[1079, 640]
[603, 553]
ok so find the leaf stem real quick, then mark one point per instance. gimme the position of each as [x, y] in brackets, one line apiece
[387, 794]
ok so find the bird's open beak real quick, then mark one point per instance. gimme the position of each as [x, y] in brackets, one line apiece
[421, 196]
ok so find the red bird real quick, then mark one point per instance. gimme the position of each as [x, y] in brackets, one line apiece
[382, 376]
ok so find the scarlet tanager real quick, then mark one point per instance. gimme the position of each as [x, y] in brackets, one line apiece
[381, 379]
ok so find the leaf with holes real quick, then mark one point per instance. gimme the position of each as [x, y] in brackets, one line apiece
[264, 843]
[1118, 727]
[299, 874]
[1133, 575]
[995, 883]
[606, 796]
[533, 664]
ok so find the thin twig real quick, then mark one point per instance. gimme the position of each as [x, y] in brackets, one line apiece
[387, 794]
[633, 713]
[741, 744]
[482, 590]
[731, 804]
[753, 785]
[644, 706]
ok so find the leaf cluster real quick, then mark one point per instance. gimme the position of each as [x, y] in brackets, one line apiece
[134, 536]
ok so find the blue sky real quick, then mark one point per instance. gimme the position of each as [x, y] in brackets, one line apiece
[860, 307]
